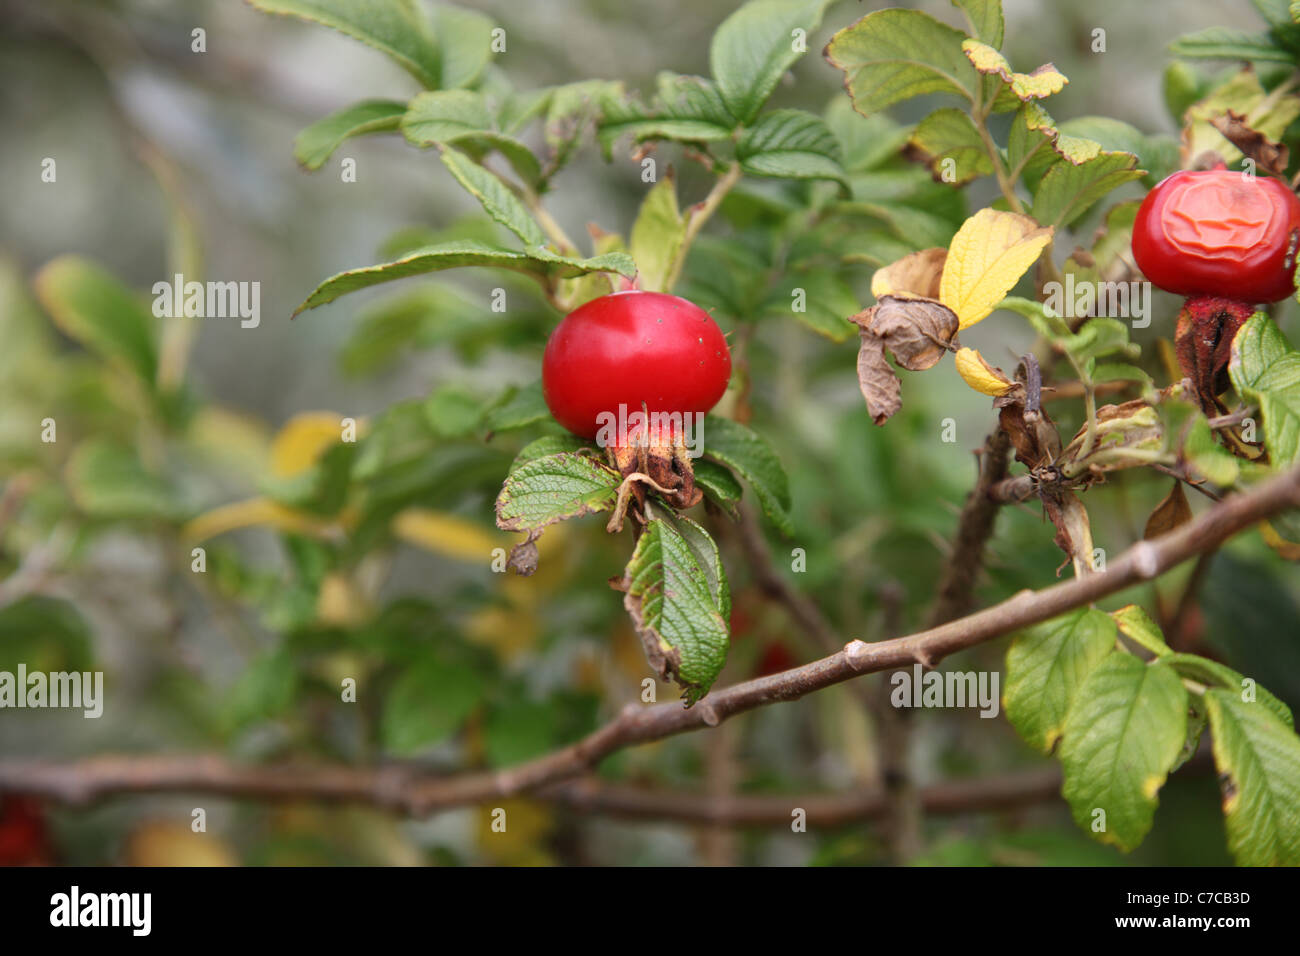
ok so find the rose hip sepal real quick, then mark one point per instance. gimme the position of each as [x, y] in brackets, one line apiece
[632, 369]
[1227, 241]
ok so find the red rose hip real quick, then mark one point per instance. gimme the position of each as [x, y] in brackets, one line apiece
[1219, 233]
[633, 348]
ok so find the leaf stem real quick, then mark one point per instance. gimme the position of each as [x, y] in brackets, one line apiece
[698, 216]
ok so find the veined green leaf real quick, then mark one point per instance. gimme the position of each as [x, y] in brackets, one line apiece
[318, 141]
[745, 452]
[752, 49]
[546, 490]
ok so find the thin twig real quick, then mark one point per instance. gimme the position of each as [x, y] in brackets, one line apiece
[421, 794]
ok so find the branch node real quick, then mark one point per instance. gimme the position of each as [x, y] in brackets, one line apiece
[709, 714]
[857, 654]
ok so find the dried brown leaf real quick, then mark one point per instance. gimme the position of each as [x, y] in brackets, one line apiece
[1172, 512]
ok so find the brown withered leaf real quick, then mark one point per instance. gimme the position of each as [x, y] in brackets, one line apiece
[917, 332]
[880, 386]
[1073, 529]
[917, 274]
[1267, 154]
[1169, 514]
[1131, 424]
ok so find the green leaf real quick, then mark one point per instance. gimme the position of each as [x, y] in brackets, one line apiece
[1225, 43]
[706, 556]
[1258, 759]
[464, 44]
[428, 703]
[1046, 665]
[453, 412]
[984, 18]
[687, 109]
[450, 255]
[949, 134]
[1258, 344]
[518, 408]
[499, 202]
[394, 27]
[1067, 191]
[517, 729]
[827, 301]
[1121, 738]
[673, 605]
[546, 490]
[318, 141]
[1207, 457]
[1137, 625]
[791, 144]
[107, 480]
[265, 689]
[719, 484]
[1279, 403]
[94, 308]
[752, 49]
[549, 445]
[893, 55]
[748, 454]
[461, 118]
[44, 633]
[657, 235]
[1213, 674]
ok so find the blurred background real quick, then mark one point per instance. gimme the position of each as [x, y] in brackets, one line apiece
[168, 156]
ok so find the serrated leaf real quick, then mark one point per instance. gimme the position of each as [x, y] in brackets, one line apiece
[428, 703]
[1137, 626]
[986, 258]
[948, 135]
[1046, 665]
[1207, 457]
[1214, 674]
[1067, 191]
[1226, 43]
[791, 144]
[670, 599]
[752, 49]
[1258, 758]
[464, 39]
[1042, 82]
[748, 454]
[315, 144]
[893, 55]
[498, 201]
[549, 445]
[657, 235]
[1121, 738]
[467, 252]
[687, 109]
[461, 118]
[1257, 345]
[394, 27]
[719, 484]
[985, 19]
[517, 408]
[546, 490]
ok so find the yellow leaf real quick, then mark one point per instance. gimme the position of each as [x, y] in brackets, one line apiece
[1044, 81]
[339, 603]
[303, 439]
[166, 843]
[513, 832]
[980, 375]
[987, 257]
[447, 535]
[245, 514]
[1288, 549]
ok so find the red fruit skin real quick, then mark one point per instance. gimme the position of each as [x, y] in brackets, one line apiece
[24, 835]
[1216, 232]
[633, 347]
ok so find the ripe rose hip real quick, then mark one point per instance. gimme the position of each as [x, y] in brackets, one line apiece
[630, 348]
[1218, 233]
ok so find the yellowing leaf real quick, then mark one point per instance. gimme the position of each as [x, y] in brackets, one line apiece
[513, 832]
[245, 514]
[917, 274]
[980, 375]
[1044, 81]
[447, 535]
[339, 603]
[1287, 549]
[302, 440]
[987, 257]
